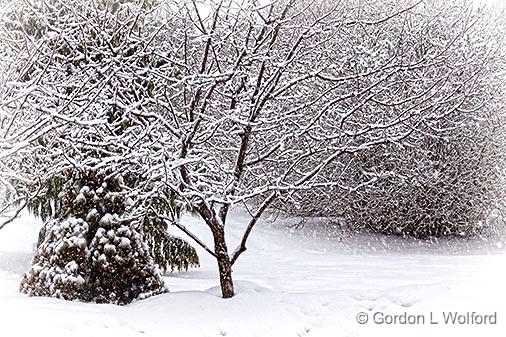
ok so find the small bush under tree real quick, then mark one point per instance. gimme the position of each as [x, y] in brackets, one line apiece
[92, 251]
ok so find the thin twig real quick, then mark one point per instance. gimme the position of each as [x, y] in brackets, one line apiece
[12, 218]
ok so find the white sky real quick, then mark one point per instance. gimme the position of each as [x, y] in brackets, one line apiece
[500, 3]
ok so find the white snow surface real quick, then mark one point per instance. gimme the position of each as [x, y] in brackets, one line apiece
[288, 283]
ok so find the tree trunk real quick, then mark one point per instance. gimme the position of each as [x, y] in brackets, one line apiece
[225, 269]
[220, 250]
[224, 264]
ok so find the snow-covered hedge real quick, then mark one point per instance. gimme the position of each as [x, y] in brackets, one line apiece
[438, 187]
[447, 176]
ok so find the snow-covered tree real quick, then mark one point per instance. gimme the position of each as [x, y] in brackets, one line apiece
[271, 96]
[90, 251]
[78, 97]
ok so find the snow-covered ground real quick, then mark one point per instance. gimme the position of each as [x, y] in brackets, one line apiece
[288, 283]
